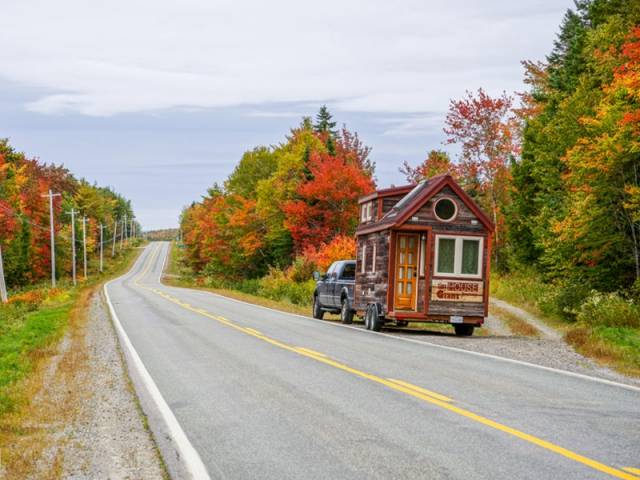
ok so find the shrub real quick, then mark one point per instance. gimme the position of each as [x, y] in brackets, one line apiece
[278, 285]
[302, 269]
[250, 286]
[568, 298]
[609, 310]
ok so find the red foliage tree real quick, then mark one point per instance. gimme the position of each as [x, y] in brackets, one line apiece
[488, 131]
[328, 202]
[436, 163]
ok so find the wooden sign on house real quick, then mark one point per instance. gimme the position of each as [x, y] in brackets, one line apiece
[423, 255]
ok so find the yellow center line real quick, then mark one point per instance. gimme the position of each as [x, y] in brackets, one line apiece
[413, 391]
[310, 352]
[635, 471]
[152, 256]
[421, 390]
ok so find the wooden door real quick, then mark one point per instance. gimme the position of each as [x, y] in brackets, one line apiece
[406, 274]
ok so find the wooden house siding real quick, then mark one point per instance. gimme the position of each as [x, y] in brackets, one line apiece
[372, 286]
[463, 222]
[389, 202]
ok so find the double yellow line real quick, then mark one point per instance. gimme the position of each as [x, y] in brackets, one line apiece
[419, 393]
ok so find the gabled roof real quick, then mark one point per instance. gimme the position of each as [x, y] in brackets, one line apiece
[417, 197]
[386, 192]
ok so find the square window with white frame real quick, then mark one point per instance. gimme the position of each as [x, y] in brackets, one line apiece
[458, 256]
[366, 212]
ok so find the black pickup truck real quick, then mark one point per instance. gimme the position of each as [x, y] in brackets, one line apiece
[334, 290]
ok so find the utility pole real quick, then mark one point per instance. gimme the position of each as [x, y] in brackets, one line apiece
[115, 234]
[73, 244]
[101, 256]
[84, 244]
[53, 239]
[3, 285]
[124, 231]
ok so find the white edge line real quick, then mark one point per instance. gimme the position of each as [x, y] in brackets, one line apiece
[190, 457]
[435, 345]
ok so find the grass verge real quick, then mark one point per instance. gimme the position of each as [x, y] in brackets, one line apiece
[617, 347]
[37, 371]
[603, 327]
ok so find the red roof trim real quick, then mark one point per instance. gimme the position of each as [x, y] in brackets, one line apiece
[434, 186]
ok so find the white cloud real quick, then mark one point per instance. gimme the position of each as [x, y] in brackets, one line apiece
[105, 58]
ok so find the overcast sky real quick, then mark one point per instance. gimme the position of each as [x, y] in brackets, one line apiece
[160, 98]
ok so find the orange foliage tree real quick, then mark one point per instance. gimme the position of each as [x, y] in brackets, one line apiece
[328, 202]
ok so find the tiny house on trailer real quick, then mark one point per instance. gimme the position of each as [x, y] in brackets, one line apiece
[423, 255]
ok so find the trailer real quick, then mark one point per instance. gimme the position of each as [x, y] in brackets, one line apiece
[423, 255]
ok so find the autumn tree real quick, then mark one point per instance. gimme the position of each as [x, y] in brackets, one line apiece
[24, 215]
[293, 199]
[437, 162]
[574, 210]
[487, 131]
[327, 204]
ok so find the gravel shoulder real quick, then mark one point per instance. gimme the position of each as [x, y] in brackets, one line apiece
[107, 438]
[550, 350]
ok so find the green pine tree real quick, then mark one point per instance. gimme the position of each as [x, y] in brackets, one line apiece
[324, 123]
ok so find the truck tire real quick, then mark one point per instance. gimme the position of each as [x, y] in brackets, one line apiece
[346, 314]
[376, 321]
[464, 330]
[317, 311]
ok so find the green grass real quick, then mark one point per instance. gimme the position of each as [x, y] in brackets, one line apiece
[24, 334]
[527, 290]
[34, 320]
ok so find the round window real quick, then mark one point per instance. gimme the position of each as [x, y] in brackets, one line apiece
[445, 209]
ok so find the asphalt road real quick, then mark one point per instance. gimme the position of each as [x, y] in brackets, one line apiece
[264, 394]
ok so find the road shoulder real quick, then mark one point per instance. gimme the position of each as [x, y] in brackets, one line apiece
[108, 437]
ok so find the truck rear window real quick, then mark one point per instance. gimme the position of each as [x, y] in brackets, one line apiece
[349, 272]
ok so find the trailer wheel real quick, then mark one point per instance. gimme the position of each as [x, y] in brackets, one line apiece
[317, 311]
[376, 320]
[346, 314]
[464, 330]
[367, 318]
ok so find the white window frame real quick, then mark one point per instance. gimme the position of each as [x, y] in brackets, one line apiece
[455, 206]
[363, 266]
[373, 260]
[367, 212]
[457, 258]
